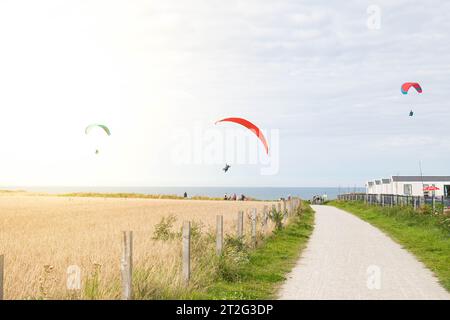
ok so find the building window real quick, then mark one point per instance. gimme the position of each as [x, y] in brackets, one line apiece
[407, 189]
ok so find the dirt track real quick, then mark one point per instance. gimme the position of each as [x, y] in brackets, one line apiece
[348, 258]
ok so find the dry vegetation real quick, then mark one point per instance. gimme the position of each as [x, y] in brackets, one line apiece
[41, 236]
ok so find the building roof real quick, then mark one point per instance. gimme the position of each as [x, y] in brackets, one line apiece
[386, 180]
[370, 183]
[377, 181]
[420, 178]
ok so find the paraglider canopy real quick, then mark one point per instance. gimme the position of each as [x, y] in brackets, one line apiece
[227, 166]
[407, 85]
[411, 113]
[91, 126]
[102, 127]
[249, 126]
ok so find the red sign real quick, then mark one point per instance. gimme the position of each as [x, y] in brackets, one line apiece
[431, 188]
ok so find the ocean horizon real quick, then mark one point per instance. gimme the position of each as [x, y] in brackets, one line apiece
[260, 193]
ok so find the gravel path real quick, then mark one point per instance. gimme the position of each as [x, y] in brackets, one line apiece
[347, 258]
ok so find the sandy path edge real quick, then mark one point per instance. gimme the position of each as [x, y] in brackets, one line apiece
[347, 258]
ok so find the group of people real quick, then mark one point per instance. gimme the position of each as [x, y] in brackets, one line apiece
[234, 197]
[319, 199]
[288, 198]
[226, 197]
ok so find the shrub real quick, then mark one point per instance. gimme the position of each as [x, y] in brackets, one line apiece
[196, 229]
[163, 229]
[235, 254]
[277, 218]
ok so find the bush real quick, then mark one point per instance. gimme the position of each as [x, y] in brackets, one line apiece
[163, 230]
[277, 218]
[235, 253]
[196, 229]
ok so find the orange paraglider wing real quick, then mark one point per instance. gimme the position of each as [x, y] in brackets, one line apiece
[407, 85]
[249, 126]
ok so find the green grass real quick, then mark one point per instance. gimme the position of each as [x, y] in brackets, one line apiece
[134, 195]
[267, 266]
[425, 235]
[12, 191]
[139, 196]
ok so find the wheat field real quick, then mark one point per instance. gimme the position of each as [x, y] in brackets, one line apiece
[42, 235]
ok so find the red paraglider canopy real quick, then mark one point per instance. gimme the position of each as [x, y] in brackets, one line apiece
[407, 85]
[250, 126]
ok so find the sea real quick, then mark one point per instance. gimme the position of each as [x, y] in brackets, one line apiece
[260, 193]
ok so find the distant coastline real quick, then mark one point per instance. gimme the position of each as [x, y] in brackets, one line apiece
[259, 193]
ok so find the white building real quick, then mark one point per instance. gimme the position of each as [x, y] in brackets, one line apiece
[409, 185]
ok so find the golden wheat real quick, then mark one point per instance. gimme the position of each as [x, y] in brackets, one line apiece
[41, 236]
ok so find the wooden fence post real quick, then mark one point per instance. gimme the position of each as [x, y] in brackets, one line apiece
[186, 252]
[2, 266]
[126, 265]
[240, 224]
[433, 200]
[265, 217]
[219, 235]
[254, 228]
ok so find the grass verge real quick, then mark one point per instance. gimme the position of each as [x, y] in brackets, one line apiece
[425, 235]
[267, 266]
[134, 196]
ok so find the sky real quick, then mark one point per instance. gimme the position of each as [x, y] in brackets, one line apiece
[317, 77]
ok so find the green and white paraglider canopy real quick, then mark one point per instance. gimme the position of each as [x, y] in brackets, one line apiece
[91, 126]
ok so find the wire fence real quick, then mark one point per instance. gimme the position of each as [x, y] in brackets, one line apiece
[389, 200]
